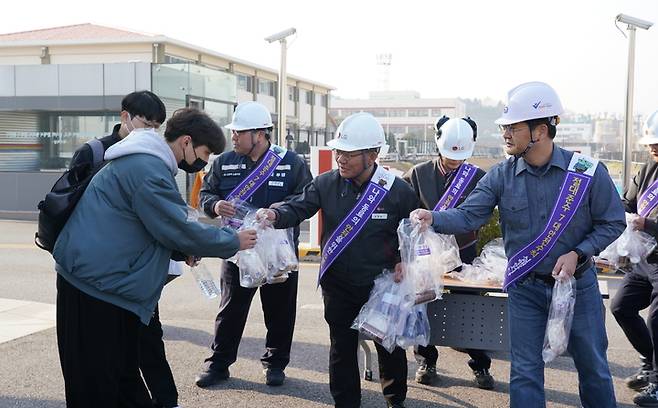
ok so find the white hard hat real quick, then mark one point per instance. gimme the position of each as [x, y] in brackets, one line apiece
[532, 100]
[250, 115]
[650, 130]
[359, 131]
[455, 139]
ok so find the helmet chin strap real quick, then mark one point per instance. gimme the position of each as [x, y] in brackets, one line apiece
[527, 148]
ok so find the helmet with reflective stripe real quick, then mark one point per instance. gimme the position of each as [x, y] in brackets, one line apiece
[531, 100]
[249, 116]
[359, 131]
[650, 130]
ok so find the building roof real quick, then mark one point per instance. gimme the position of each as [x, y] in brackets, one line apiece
[91, 34]
[85, 31]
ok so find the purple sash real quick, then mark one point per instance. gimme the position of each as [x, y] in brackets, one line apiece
[259, 175]
[648, 200]
[462, 180]
[579, 174]
[372, 196]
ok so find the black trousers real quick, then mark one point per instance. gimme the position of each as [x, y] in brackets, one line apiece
[341, 306]
[428, 355]
[98, 351]
[639, 290]
[279, 302]
[153, 364]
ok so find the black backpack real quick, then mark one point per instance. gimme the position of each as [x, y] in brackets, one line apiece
[57, 207]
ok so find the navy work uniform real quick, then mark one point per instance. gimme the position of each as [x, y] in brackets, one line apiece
[279, 300]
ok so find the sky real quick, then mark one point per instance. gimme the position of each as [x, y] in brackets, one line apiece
[442, 49]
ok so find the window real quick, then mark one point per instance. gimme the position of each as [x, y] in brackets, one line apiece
[397, 113]
[309, 97]
[325, 100]
[380, 113]
[321, 100]
[266, 87]
[418, 112]
[292, 94]
[245, 82]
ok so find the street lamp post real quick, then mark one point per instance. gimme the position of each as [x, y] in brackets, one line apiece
[633, 24]
[282, 97]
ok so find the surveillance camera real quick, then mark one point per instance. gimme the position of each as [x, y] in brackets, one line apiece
[634, 21]
[280, 36]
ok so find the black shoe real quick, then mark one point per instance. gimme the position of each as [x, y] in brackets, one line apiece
[648, 397]
[483, 379]
[274, 377]
[395, 404]
[640, 380]
[211, 377]
[426, 374]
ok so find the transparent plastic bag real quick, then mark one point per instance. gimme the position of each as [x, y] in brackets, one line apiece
[632, 244]
[560, 316]
[242, 209]
[273, 257]
[426, 256]
[415, 329]
[389, 304]
[489, 267]
[253, 271]
[205, 280]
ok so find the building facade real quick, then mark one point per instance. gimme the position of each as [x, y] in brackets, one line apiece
[408, 119]
[60, 87]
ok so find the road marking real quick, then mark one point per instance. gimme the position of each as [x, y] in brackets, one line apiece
[313, 306]
[18, 246]
[20, 318]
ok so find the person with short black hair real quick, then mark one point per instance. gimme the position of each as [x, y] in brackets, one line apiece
[143, 109]
[112, 257]
[283, 175]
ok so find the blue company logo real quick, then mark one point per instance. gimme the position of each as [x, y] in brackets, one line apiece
[536, 105]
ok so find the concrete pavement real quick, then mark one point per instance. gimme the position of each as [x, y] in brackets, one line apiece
[30, 375]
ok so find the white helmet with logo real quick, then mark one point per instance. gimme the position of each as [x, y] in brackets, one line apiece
[650, 130]
[359, 131]
[532, 100]
[455, 139]
[250, 115]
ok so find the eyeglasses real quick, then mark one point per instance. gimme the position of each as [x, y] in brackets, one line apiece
[147, 123]
[509, 128]
[347, 155]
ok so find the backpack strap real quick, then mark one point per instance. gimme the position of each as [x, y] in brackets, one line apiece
[97, 150]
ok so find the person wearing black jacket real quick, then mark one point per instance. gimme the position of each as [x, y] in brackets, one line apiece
[347, 282]
[455, 140]
[251, 132]
[639, 289]
[143, 109]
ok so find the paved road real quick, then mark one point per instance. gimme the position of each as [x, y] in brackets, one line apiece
[30, 375]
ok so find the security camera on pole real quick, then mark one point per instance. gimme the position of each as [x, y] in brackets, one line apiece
[633, 23]
[281, 94]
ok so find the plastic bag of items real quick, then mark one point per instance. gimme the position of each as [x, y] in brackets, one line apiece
[389, 304]
[632, 244]
[415, 329]
[560, 316]
[426, 256]
[489, 267]
[242, 209]
[271, 259]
